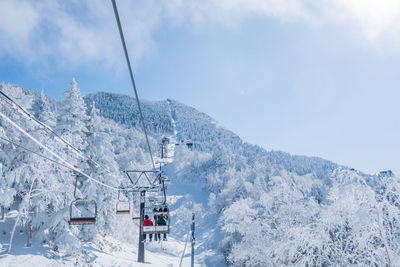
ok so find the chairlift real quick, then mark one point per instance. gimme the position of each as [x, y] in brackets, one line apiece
[77, 219]
[135, 215]
[165, 140]
[123, 206]
[158, 210]
[78, 202]
[189, 145]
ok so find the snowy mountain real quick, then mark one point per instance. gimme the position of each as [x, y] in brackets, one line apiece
[253, 207]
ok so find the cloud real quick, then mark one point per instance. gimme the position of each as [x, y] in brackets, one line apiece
[75, 32]
[18, 22]
[376, 23]
[231, 12]
[84, 32]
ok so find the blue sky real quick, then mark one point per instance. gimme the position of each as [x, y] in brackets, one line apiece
[311, 79]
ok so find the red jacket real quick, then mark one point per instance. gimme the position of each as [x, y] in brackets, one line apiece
[147, 222]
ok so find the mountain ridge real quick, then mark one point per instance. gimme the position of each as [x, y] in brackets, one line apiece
[253, 207]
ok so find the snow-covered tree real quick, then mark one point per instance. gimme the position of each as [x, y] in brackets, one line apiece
[72, 119]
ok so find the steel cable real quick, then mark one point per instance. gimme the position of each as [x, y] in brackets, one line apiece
[132, 78]
[49, 129]
[65, 163]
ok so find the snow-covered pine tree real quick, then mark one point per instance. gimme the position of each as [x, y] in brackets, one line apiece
[22, 175]
[72, 118]
[71, 126]
[102, 166]
[42, 110]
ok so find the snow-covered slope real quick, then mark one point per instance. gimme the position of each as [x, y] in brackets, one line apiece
[253, 207]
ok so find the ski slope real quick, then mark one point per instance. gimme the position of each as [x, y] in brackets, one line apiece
[108, 250]
[111, 253]
[117, 254]
[253, 207]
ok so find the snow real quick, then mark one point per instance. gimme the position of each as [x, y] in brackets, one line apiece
[157, 254]
[252, 207]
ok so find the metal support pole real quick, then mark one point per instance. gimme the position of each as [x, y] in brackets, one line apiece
[141, 244]
[2, 215]
[193, 241]
[29, 234]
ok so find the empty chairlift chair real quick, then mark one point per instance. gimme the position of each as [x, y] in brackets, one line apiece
[91, 211]
[87, 210]
[165, 140]
[123, 206]
[135, 215]
[189, 145]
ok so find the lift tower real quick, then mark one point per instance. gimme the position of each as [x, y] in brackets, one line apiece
[142, 181]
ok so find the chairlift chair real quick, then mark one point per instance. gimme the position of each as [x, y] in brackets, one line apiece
[158, 229]
[79, 220]
[78, 202]
[189, 145]
[123, 206]
[165, 140]
[135, 216]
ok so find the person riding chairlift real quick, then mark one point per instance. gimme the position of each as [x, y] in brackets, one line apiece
[147, 222]
[163, 221]
[156, 218]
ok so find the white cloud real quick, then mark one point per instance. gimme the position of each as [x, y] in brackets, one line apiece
[75, 32]
[83, 32]
[374, 19]
[18, 22]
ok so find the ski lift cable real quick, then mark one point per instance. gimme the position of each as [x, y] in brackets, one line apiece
[132, 78]
[30, 116]
[68, 165]
[33, 152]
[49, 129]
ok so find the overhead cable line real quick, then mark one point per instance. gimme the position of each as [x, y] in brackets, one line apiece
[68, 165]
[26, 113]
[132, 79]
[34, 152]
[50, 130]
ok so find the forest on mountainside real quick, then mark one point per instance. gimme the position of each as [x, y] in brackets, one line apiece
[266, 208]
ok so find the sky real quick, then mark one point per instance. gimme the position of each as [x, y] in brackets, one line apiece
[315, 78]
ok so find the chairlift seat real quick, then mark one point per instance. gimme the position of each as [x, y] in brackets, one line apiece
[123, 211]
[162, 228]
[75, 220]
[82, 220]
[156, 229]
[123, 207]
